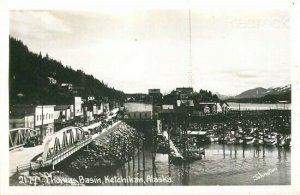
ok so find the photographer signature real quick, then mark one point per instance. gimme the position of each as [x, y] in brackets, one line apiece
[262, 175]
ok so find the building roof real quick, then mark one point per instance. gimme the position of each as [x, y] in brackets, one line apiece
[137, 107]
[21, 110]
[224, 104]
[153, 91]
[61, 107]
[184, 90]
[207, 103]
[44, 106]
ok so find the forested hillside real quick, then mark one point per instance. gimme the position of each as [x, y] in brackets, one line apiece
[29, 79]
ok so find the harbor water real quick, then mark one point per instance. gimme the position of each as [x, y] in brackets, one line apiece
[252, 106]
[222, 165]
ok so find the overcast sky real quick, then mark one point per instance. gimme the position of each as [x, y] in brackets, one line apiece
[232, 50]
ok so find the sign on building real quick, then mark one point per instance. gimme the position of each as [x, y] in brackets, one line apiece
[159, 127]
[77, 106]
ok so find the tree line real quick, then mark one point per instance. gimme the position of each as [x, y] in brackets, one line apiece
[29, 82]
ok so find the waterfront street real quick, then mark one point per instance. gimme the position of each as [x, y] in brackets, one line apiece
[23, 156]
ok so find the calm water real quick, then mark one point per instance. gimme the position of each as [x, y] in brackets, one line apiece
[222, 165]
[249, 106]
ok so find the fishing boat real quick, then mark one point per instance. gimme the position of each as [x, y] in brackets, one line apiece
[212, 138]
[270, 141]
[280, 142]
[271, 138]
[248, 140]
[283, 142]
[195, 153]
[230, 140]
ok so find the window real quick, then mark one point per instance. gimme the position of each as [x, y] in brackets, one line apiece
[37, 117]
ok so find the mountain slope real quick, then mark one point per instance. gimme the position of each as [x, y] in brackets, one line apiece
[253, 93]
[262, 95]
[261, 92]
[29, 82]
[224, 97]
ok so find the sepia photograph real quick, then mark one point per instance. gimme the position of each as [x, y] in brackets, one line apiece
[150, 97]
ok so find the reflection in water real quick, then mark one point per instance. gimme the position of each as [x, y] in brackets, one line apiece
[235, 165]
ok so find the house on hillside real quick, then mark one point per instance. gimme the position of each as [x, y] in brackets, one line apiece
[184, 90]
[52, 80]
[67, 86]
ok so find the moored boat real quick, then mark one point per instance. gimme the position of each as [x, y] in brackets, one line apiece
[195, 153]
[270, 141]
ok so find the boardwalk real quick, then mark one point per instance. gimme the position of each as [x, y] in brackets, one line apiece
[177, 154]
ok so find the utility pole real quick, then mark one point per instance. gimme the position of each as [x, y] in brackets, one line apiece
[42, 131]
[42, 121]
[190, 73]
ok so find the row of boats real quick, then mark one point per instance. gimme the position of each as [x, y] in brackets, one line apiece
[254, 137]
[166, 145]
[195, 138]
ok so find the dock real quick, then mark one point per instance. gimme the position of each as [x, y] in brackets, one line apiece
[176, 153]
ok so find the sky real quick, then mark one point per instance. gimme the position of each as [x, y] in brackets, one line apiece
[134, 50]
